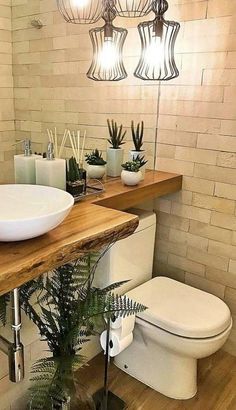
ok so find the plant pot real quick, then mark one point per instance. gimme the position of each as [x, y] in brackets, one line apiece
[96, 171]
[133, 155]
[79, 399]
[131, 178]
[114, 161]
[75, 188]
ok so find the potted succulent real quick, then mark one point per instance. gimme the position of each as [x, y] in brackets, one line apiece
[115, 153]
[96, 164]
[137, 136]
[75, 178]
[131, 174]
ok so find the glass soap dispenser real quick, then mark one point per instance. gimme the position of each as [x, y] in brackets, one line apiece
[51, 171]
[24, 164]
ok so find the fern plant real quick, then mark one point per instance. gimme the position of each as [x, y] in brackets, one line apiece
[137, 135]
[4, 299]
[116, 136]
[68, 311]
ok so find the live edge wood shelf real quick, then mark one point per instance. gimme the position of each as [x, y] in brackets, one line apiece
[90, 225]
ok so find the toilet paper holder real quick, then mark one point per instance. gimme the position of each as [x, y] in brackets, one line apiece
[105, 399]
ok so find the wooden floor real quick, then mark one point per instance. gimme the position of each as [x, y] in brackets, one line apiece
[216, 386]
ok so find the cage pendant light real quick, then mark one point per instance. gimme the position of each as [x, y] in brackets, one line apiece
[133, 8]
[157, 61]
[81, 11]
[107, 41]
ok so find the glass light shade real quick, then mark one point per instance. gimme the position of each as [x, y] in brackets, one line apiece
[133, 8]
[157, 60]
[107, 63]
[81, 11]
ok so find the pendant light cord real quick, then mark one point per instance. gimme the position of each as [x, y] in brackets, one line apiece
[157, 123]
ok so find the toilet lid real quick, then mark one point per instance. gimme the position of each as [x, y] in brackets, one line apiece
[181, 309]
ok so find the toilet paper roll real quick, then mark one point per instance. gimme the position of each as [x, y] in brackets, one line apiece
[124, 324]
[116, 344]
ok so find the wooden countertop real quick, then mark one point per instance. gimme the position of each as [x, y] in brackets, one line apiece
[92, 223]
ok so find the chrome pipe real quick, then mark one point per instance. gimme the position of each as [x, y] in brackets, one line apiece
[16, 363]
[15, 350]
[15, 316]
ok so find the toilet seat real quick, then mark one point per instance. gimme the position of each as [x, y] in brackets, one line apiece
[181, 309]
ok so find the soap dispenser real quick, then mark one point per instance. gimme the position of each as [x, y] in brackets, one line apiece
[51, 171]
[24, 165]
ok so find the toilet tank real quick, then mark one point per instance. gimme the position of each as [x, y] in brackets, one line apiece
[130, 258]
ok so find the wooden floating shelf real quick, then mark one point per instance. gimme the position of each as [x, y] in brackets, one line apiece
[92, 224]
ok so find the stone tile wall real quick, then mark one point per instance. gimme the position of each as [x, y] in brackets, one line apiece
[7, 136]
[196, 238]
[196, 119]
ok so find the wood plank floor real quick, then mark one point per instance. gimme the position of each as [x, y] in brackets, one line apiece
[216, 386]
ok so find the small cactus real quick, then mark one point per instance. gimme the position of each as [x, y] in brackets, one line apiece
[72, 170]
[137, 135]
[95, 158]
[135, 165]
[116, 137]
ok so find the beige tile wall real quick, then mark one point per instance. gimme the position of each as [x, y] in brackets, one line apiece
[197, 137]
[51, 87]
[6, 93]
[196, 240]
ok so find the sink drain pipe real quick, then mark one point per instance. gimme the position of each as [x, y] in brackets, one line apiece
[15, 349]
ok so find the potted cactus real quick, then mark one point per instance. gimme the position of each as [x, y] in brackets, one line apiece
[75, 178]
[137, 136]
[131, 174]
[96, 164]
[115, 153]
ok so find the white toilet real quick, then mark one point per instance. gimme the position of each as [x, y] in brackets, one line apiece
[182, 324]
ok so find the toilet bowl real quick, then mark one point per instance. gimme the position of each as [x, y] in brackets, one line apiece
[181, 325]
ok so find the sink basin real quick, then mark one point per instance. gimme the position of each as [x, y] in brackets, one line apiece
[27, 211]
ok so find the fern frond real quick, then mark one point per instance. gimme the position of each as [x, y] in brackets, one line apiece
[4, 300]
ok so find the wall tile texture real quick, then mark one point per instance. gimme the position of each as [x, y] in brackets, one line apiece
[7, 126]
[197, 119]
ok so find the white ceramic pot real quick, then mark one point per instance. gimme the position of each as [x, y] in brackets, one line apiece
[96, 171]
[131, 178]
[133, 155]
[114, 161]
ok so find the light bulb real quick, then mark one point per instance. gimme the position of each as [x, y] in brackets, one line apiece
[80, 3]
[108, 56]
[153, 54]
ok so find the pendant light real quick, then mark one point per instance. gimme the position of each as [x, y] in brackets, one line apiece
[81, 11]
[158, 38]
[107, 41]
[133, 8]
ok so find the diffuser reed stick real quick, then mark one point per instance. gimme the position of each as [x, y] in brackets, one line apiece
[82, 150]
[63, 142]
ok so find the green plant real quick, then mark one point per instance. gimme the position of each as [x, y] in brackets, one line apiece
[67, 312]
[137, 135]
[135, 165]
[95, 158]
[116, 137]
[72, 170]
[4, 299]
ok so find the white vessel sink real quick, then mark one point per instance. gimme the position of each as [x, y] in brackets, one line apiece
[27, 211]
